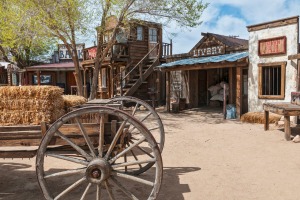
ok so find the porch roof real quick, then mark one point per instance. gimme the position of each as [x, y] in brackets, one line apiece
[187, 64]
[65, 66]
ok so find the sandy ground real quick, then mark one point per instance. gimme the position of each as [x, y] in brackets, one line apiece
[205, 158]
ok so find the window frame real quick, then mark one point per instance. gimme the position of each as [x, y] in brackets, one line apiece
[151, 35]
[141, 33]
[282, 81]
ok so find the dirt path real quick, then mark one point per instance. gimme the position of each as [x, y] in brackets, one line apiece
[204, 158]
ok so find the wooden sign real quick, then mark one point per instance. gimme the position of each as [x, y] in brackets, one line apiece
[91, 53]
[272, 46]
[64, 53]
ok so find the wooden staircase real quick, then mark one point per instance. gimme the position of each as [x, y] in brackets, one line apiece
[137, 75]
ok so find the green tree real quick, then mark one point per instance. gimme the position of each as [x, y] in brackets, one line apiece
[185, 13]
[19, 35]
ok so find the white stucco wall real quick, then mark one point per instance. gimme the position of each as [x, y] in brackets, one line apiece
[291, 32]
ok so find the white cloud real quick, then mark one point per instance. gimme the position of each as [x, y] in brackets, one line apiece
[250, 12]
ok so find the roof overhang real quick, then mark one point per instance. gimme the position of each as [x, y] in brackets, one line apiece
[220, 61]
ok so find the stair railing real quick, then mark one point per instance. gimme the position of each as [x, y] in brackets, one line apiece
[140, 67]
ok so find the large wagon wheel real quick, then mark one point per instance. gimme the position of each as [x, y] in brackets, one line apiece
[91, 157]
[148, 116]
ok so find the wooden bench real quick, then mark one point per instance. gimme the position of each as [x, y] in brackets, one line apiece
[286, 109]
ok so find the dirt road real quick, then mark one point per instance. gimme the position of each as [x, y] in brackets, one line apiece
[205, 158]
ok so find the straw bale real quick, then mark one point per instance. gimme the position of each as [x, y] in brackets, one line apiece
[72, 101]
[258, 117]
[30, 104]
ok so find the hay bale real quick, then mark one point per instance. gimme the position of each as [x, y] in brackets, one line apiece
[73, 100]
[258, 117]
[30, 104]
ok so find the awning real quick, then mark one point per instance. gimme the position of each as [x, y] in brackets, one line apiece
[64, 66]
[225, 58]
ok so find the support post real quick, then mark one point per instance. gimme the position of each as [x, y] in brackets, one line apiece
[168, 90]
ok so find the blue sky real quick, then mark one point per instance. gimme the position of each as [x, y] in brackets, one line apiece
[230, 17]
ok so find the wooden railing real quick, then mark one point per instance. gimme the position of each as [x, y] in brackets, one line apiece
[118, 50]
[142, 60]
[166, 49]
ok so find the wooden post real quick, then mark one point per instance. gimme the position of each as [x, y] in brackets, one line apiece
[224, 102]
[38, 77]
[111, 79]
[287, 128]
[168, 90]
[84, 84]
[238, 91]
[230, 85]
[266, 120]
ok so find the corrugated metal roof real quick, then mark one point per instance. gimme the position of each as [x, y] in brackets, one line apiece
[212, 59]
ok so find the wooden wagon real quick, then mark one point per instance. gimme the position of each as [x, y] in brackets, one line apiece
[94, 151]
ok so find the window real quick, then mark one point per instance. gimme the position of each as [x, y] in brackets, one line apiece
[271, 80]
[139, 35]
[152, 35]
[44, 79]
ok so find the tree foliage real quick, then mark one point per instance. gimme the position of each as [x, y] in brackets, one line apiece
[20, 35]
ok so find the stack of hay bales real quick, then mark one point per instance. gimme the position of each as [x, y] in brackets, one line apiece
[30, 104]
[258, 117]
[73, 101]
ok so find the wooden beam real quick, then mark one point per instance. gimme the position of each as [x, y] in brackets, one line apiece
[239, 91]
[168, 91]
[295, 56]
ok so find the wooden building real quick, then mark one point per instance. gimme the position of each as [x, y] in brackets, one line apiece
[59, 72]
[213, 60]
[128, 67]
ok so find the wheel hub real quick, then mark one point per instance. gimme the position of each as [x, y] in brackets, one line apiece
[97, 171]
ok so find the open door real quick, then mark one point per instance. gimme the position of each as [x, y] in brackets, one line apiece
[153, 40]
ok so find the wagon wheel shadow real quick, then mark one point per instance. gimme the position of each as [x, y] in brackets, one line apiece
[15, 179]
[171, 188]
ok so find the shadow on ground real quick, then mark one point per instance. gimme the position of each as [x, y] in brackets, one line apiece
[17, 182]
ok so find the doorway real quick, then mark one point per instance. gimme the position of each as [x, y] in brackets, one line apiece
[244, 90]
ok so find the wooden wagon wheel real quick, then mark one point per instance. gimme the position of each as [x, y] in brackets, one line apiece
[91, 157]
[144, 113]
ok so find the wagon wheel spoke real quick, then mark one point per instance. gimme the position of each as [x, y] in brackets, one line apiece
[142, 150]
[133, 128]
[146, 116]
[101, 136]
[133, 163]
[135, 109]
[114, 142]
[123, 189]
[125, 160]
[133, 178]
[86, 137]
[85, 191]
[135, 158]
[66, 172]
[127, 149]
[98, 193]
[75, 146]
[70, 188]
[74, 160]
[109, 191]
